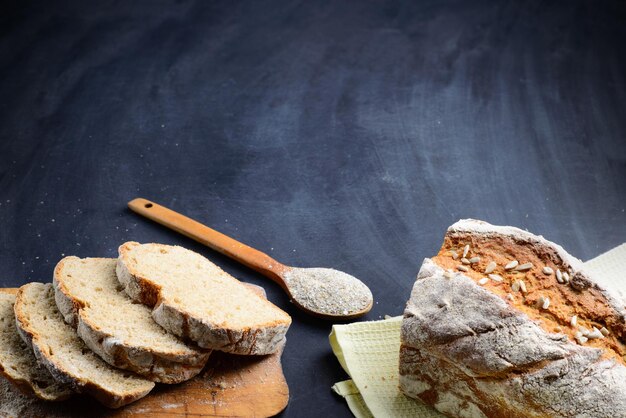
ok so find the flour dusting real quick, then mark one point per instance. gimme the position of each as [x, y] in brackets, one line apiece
[328, 291]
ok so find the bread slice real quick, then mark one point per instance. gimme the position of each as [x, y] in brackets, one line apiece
[193, 298]
[120, 331]
[18, 363]
[502, 322]
[57, 346]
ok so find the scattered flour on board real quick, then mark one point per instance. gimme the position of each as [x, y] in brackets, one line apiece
[171, 405]
[13, 403]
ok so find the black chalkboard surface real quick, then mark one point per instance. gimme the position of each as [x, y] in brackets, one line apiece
[337, 134]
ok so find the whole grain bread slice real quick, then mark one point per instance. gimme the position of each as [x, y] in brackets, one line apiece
[193, 298]
[57, 346]
[121, 331]
[18, 363]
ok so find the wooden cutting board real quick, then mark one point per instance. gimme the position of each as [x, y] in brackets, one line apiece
[229, 386]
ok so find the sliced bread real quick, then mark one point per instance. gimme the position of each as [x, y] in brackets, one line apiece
[57, 346]
[121, 331]
[193, 298]
[18, 363]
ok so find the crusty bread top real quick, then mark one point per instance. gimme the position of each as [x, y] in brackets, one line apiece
[18, 363]
[190, 283]
[66, 356]
[548, 285]
[470, 352]
[99, 299]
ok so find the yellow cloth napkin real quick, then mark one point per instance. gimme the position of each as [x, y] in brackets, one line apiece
[608, 270]
[369, 352]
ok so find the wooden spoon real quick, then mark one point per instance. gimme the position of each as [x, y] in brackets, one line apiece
[322, 292]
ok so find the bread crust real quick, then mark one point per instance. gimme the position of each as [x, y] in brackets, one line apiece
[469, 353]
[31, 387]
[26, 387]
[30, 337]
[157, 365]
[246, 341]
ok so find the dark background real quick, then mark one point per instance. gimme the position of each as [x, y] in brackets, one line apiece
[345, 134]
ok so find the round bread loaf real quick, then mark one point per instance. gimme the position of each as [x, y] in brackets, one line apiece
[503, 323]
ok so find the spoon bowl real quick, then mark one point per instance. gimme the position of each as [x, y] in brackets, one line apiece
[327, 293]
[322, 292]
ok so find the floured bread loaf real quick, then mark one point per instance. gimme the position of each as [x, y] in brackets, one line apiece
[120, 331]
[503, 323]
[18, 363]
[193, 298]
[57, 346]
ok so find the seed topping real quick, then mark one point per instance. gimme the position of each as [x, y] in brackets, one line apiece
[574, 320]
[581, 339]
[543, 302]
[466, 250]
[462, 268]
[454, 254]
[511, 265]
[559, 276]
[524, 267]
[483, 281]
[490, 267]
[547, 270]
[596, 333]
[474, 260]
[465, 260]
[496, 278]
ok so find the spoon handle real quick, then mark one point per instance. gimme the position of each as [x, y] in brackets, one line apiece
[234, 249]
